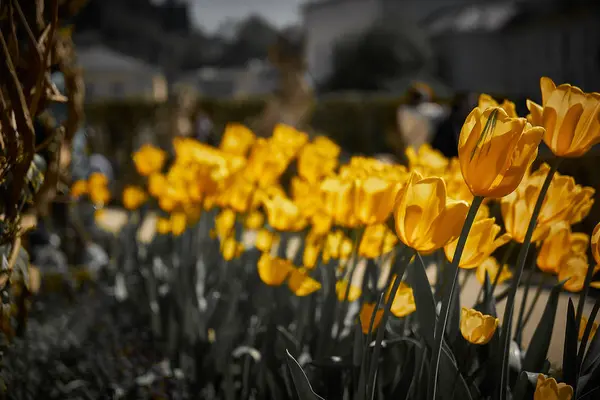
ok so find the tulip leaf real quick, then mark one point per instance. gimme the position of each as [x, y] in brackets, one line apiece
[525, 386]
[540, 342]
[586, 334]
[592, 357]
[458, 386]
[409, 368]
[424, 301]
[570, 348]
[302, 385]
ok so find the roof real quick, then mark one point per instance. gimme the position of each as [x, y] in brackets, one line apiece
[474, 18]
[103, 58]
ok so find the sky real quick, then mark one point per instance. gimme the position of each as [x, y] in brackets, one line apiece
[210, 14]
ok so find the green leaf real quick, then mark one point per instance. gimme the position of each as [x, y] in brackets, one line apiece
[357, 353]
[301, 383]
[286, 341]
[426, 315]
[525, 386]
[540, 342]
[586, 335]
[458, 386]
[592, 357]
[570, 348]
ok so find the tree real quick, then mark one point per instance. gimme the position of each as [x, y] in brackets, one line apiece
[365, 62]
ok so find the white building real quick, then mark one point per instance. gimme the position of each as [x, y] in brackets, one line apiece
[497, 46]
[109, 76]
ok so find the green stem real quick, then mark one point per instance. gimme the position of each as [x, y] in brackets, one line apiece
[538, 292]
[510, 303]
[399, 272]
[519, 331]
[440, 327]
[505, 256]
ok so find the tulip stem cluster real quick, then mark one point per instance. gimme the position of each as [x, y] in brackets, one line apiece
[440, 327]
[505, 335]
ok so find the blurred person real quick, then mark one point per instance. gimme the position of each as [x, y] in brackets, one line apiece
[418, 118]
[446, 135]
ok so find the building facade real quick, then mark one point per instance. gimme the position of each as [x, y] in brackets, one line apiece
[111, 76]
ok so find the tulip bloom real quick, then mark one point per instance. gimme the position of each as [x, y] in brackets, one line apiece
[265, 240]
[133, 197]
[254, 220]
[341, 287]
[149, 159]
[574, 268]
[366, 313]
[376, 240]
[313, 164]
[481, 243]
[477, 328]
[97, 179]
[582, 326]
[426, 219]
[231, 248]
[289, 138]
[338, 200]
[404, 301]
[337, 246]
[237, 139]
[224, 223]
[487, 101]
[547, 389]
[79, 188]
[178, 223]
[284, 215]
[99, 195]
[301, 284]
[426, 160]
[163, 226]
[273, 271]
[496, 150]
[560, 243]
[595, 243]
[157, 184]
[491, 266]
[455, 183]
[569, 116]
[374, 199]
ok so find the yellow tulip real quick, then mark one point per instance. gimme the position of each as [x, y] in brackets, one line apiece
[338, 200]
[254, 220]
[404, 301]
[426, 219]
[376, 240]
[313, 245]
[321, 222]
[231, 248]
[79, 188]
[133, 197]
[163, 226]
[570, 118]
[496, 150]
[314, 165]
[366, 313]
[97, 179]
[558, 245]
[225, 223]
[240, 196]
[237, 139]
[326, 146]
[167, 203]
[353, 293]
[284, 215]
[574, 268]
[266, 163]
[157, 184]
[149, 159]
[547, 389]
[491, 266]
[99, 195]
[487, 101]
[374, 200]
[178, 223]
[477, 328]
[595, 243]
[582, 326]
[301, 284]
[481, 243]
[289, 138]
[426, 160]
[455, 183]
[337, 246]
[273, 270]
[265, 239]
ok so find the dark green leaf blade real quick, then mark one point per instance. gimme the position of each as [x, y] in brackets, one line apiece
[426, 315]
[301, 383]
[570, 348]
[540, 342]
